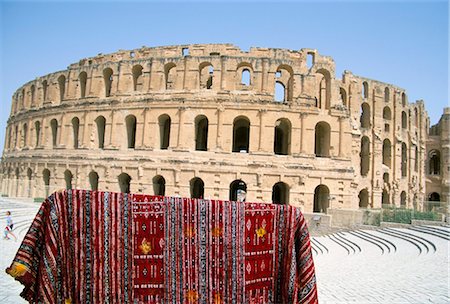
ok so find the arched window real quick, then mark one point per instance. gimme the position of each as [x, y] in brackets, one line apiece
[403, 199]
[75, 128]
[403, 99]
[16, 141]
[385, 200]
[100, 121]
[386, 178]
[137, 77]
[387, 152]
[365, 156]
[387, 113]
[25, 134]
[29, 176]
[32, 91]
[321, 199]
[434, 166]
[416, 159]
[44, 90]
[197, 188]
[54, 127]
[206, 75]
[404, 164]
[322, 139]
[280, 193]
[23, 98]
[68, 178]
[309, 60]
[363, 198]
[416, 117]
[37, 129]
[238, 191]
[365, 115]
[241, 134]
[324, 89]
[130, 121]
[365, 90]
[343, 95]
[201, 133]
[164, 131]
[108, 79]
[124, 182]
[159, 185]
[280, 92]
[83, 80]
[62, 86]
[46, 179]
[434, 197]
[170, 73]
[386, 94]
[245, 77]
[93, 180]
[404, 120]
[283, 83]
[282, 140]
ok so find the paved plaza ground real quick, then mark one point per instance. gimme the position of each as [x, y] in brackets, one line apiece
[361, 266]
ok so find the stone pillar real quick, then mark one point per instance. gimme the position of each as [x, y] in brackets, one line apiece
[180, 144]
[302, 133]
[264, 75]
[220, 109]
[341, 137]
[261, 125]
[144, 143]
[112, 143]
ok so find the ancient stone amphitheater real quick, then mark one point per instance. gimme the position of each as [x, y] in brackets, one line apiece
[211, 120]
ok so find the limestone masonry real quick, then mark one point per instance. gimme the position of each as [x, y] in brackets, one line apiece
[209, 120]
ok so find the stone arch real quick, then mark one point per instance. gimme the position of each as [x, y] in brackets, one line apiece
[363, 198]
[164, 122]
[159, 185]
[206, 71]
[82, 78]
[124, 182]
[322, 139]
[387, 113]
[434, 162]
[386, 94]
[29, 177]
[416, 159]
[403, 199]
[24, 135]
[404, 120]
[54, 128]
[197, 187]
[201, 133]
[68, 176]
[365, 90]
[284, 76]
[46, 180]
[280, 193]
[365, 115]
[365, 156]
[32, 92]
[282, 138]
[343, 95]
[131, 123]
[321, 198]
[386, 177]
[44, 90]
[37, 130]
[280, 92]
[324, 89]
[107, 80]
[100, 122]
[385, 200]
[416, 118]
[238, 190]
[241, 134]
[75, 129]
[170, 75]
[387, 152]
[62, 87]
[93, 180]
[404, 163]
[244, 73]
[403, 99]
[434, 197]
[138, 81]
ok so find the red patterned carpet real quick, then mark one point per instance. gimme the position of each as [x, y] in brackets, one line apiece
[89, 247]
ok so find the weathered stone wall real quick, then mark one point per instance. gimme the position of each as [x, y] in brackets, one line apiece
[312, 133]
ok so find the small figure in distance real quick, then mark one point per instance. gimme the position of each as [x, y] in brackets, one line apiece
[9, 227]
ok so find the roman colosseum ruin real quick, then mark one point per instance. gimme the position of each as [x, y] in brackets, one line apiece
[208, 120]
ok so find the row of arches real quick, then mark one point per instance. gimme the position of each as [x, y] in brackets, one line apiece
[365, 117]
[363, 197]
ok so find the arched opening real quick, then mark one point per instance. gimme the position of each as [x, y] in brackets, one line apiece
[385, 198]
[280, 193]
[321, 199]
[93, 180]
[101, 124]
[54, 127]
[363, 198]
[75, 128]
[245, 77]
[44, 90]
[46, 179]
[62, 86]
[280, 92]
[83, 80]
[434, 163]
[365, 115]
[403, 99]
[238, 191]
[322, 139]
[282, 140]
[137, 77]
[416, 117]
[32, 90]
[403, 199]
[170, 73]
[197, 188]
[201, 133]
[124, 182]
[206, 75]
[404, 163]
[164, 131]
[386, 94]
[309, 60]
[159, 185]
[37, 129]
[68, 176]
[386, 178]
[29, 176]
[404, 120]
[434, 197]
[324, 89]
[343, 95]
[387, 152]
[241, 134]
[108, 79]
[24, 134]
[130, 121]
[365, 90]
[416, 159]
[365, 156]
[387, 113]
[283, 83]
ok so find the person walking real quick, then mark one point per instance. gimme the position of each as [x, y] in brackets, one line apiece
[9, 227]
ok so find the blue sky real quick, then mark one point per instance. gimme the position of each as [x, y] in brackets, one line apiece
[404, 42]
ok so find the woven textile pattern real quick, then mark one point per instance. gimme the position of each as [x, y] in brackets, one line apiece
[91, 246]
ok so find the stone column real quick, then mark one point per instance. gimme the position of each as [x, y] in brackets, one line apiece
[261, 114]
[180, 144]
[220, 109]
[112, 143]
[302, 133]
[144, 129]
[341, 136]
[264, 74]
